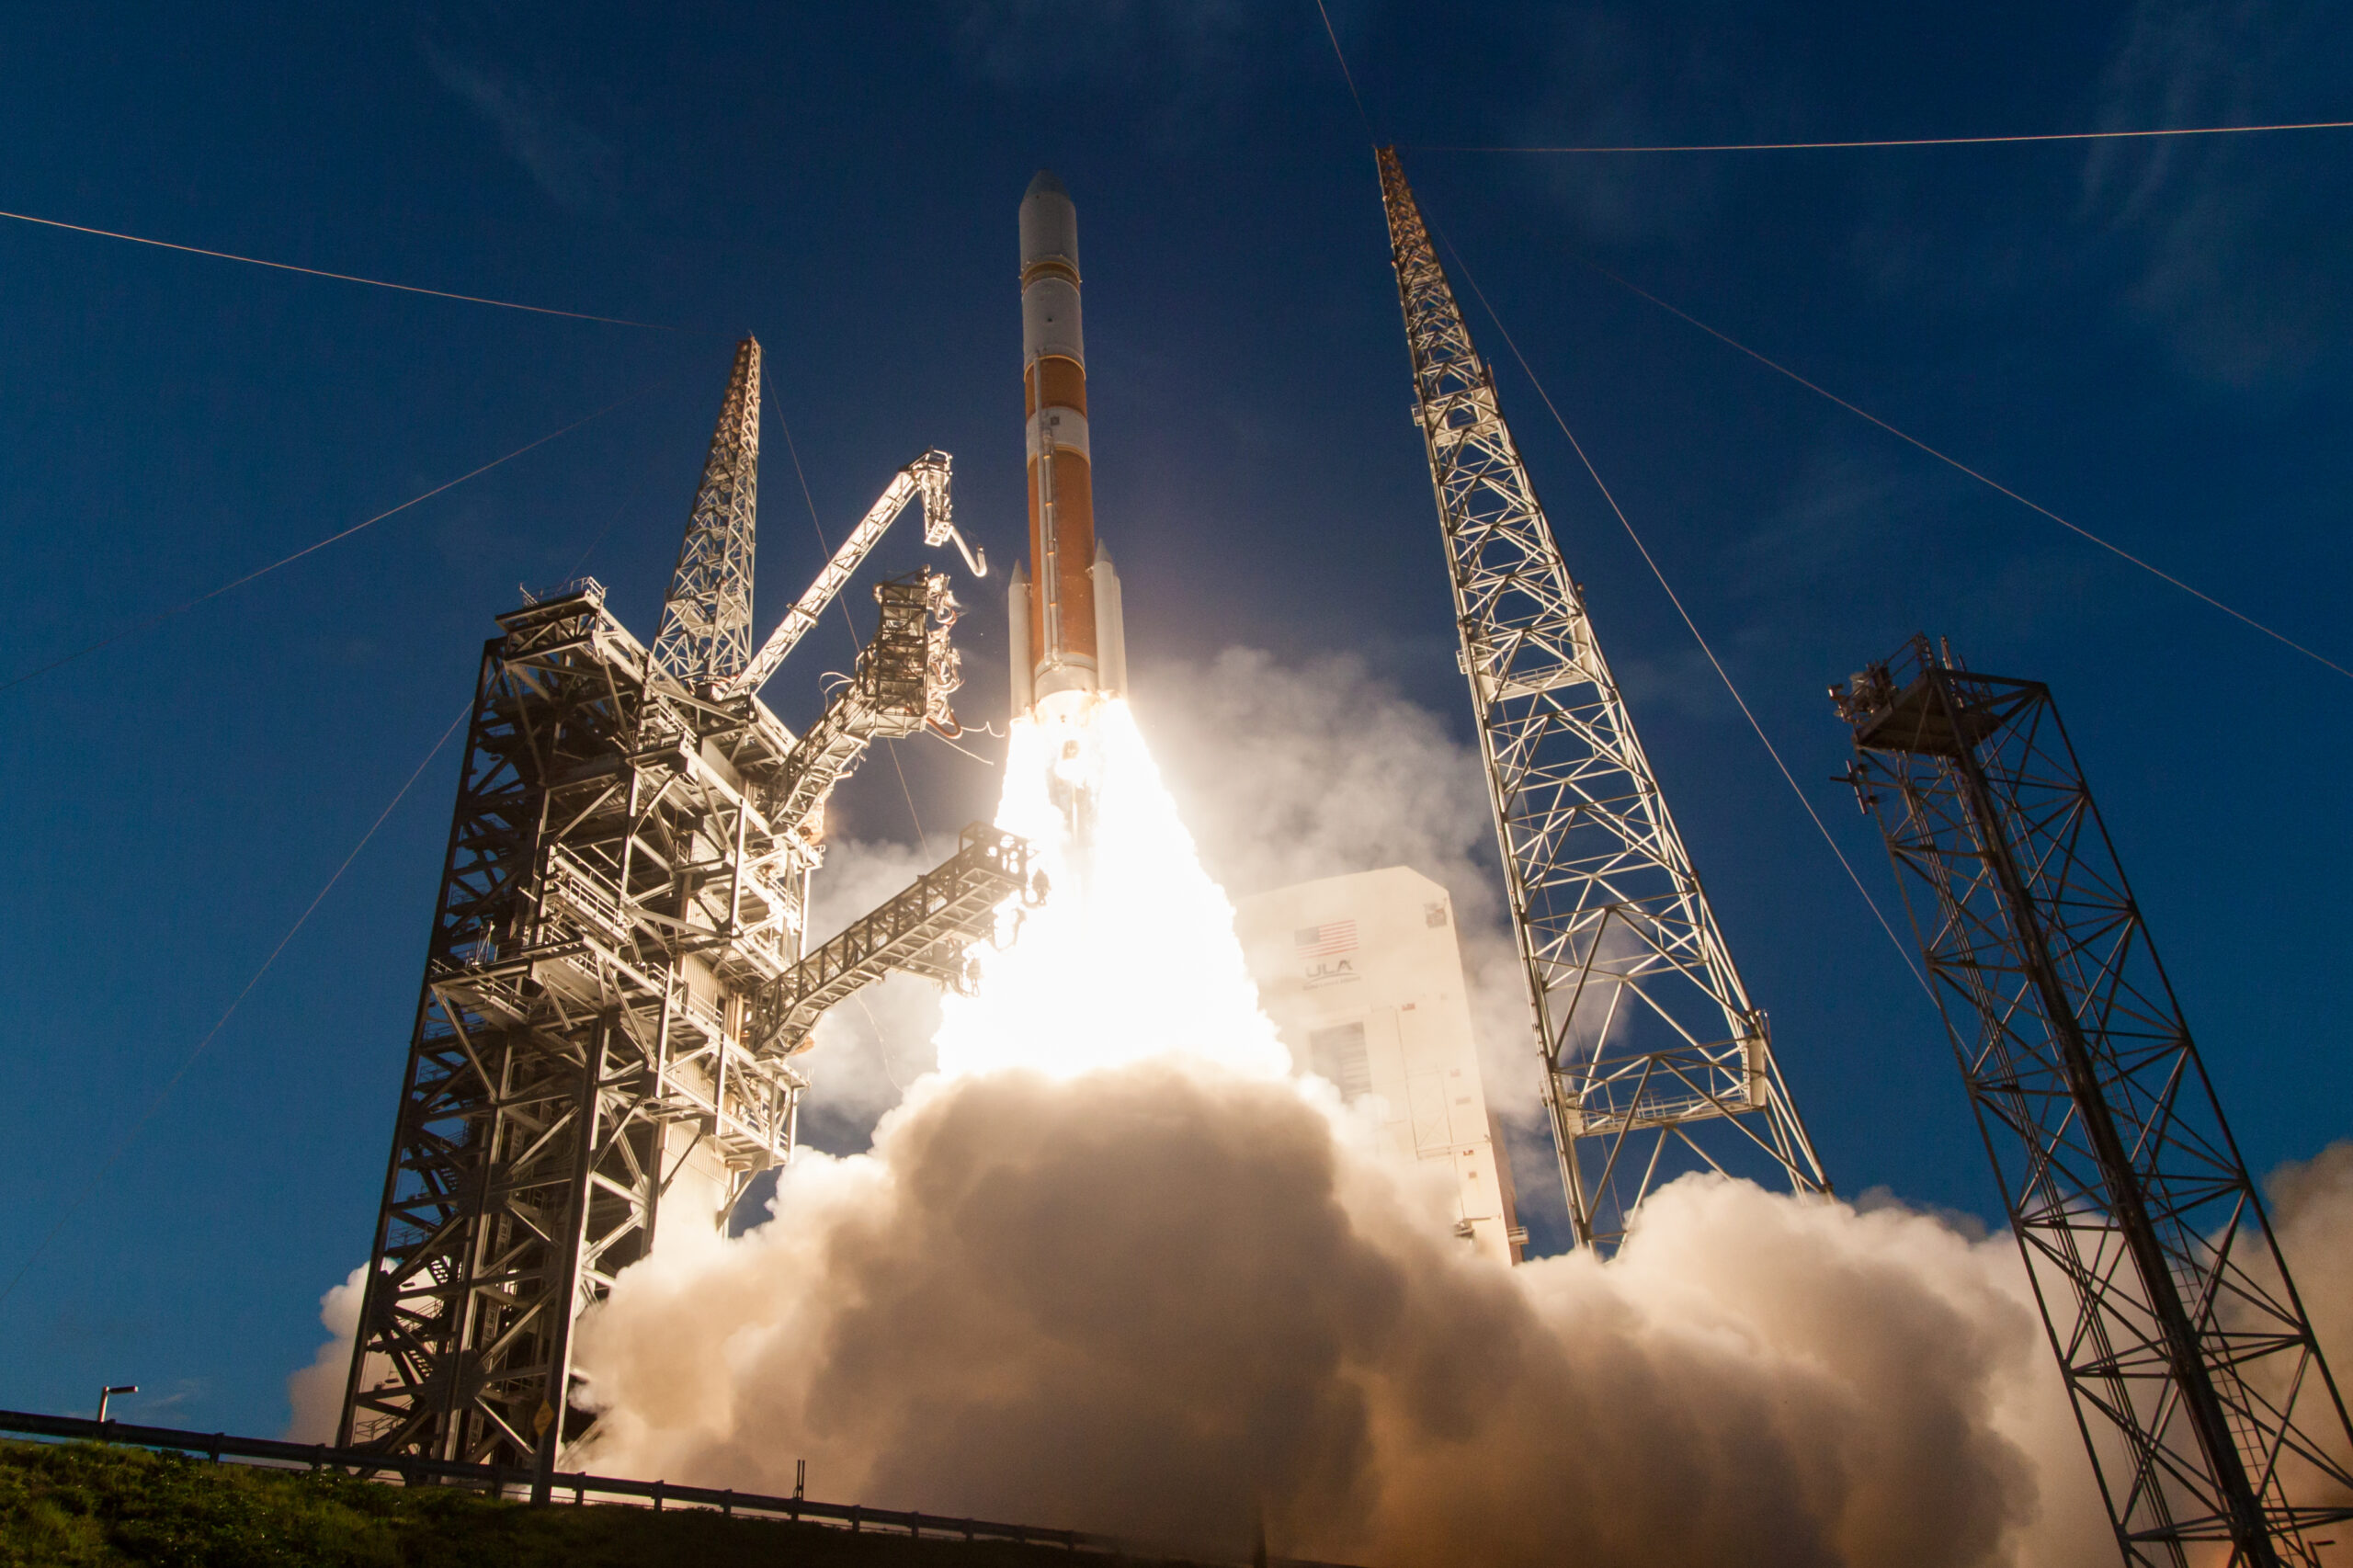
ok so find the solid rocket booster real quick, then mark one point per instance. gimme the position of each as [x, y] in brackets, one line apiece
[1069, 643]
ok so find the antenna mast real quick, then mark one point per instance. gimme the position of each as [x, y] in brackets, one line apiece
[706, 635]
[1655, 1062]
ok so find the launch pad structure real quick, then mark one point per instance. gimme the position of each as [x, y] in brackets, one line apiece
[618, 973]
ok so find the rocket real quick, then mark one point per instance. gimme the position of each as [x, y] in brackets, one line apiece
[1069, 647]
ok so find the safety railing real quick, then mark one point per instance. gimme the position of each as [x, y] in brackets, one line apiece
[573, 1487]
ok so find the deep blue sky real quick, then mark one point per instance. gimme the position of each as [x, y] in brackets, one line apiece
[2152, 339]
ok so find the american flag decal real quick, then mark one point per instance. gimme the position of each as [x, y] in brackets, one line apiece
[1322, 941]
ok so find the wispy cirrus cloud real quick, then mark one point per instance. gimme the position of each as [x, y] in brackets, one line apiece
[576, 167]
[1024, 42]
[1181, 65]
[2242, 244]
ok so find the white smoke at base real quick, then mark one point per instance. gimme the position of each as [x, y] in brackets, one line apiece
[1157, 1299]
[1291, 770]
[314, 1393]
[1111, 1266]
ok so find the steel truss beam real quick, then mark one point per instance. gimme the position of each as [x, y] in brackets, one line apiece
[901, 684]
[1655, 1060]
[2193, 1368]
[628, 869]
[928, 929]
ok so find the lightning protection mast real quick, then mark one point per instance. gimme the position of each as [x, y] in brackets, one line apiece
[1655, 1062]
[705, 635]
[2195, 1379]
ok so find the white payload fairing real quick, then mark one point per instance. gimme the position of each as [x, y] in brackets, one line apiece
[1069, 645]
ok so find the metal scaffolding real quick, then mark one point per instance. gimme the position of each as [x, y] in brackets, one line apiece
[1655, 1060]
[612, 891]
[2195, 1376]
[625, 879]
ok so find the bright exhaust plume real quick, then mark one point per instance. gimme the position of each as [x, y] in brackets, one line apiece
[1133, 956]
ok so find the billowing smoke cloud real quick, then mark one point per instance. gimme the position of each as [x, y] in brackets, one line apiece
[1286, 772]
[1165, 1299]
[2312, 1216]
[1156, 1299]
[870, 1048]
[315, 1392]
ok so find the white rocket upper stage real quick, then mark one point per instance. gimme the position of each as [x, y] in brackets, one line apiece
[1048, 221]
[1049, 307]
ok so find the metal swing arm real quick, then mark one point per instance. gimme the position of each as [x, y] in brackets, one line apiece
[927, 478]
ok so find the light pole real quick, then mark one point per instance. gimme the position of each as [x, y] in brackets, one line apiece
[106, 1393]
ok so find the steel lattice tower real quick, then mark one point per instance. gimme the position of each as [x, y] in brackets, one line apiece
[1657, 1062]
[2195, 1379]
[705, 635]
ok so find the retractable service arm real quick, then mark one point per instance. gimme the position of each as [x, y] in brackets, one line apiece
[927, 478]
[929, 929]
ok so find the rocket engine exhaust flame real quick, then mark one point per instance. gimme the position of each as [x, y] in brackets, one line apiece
[1129, 902]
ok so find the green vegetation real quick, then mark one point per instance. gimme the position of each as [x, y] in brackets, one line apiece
[91, 1505]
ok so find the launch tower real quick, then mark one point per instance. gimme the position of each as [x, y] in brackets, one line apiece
[1655, 1062]
[619, 971]
[2195, 1379]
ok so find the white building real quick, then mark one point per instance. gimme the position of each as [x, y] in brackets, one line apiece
[1363, 976]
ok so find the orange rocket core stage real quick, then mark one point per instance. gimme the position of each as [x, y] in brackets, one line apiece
[1062, 590]
[1061, 381]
